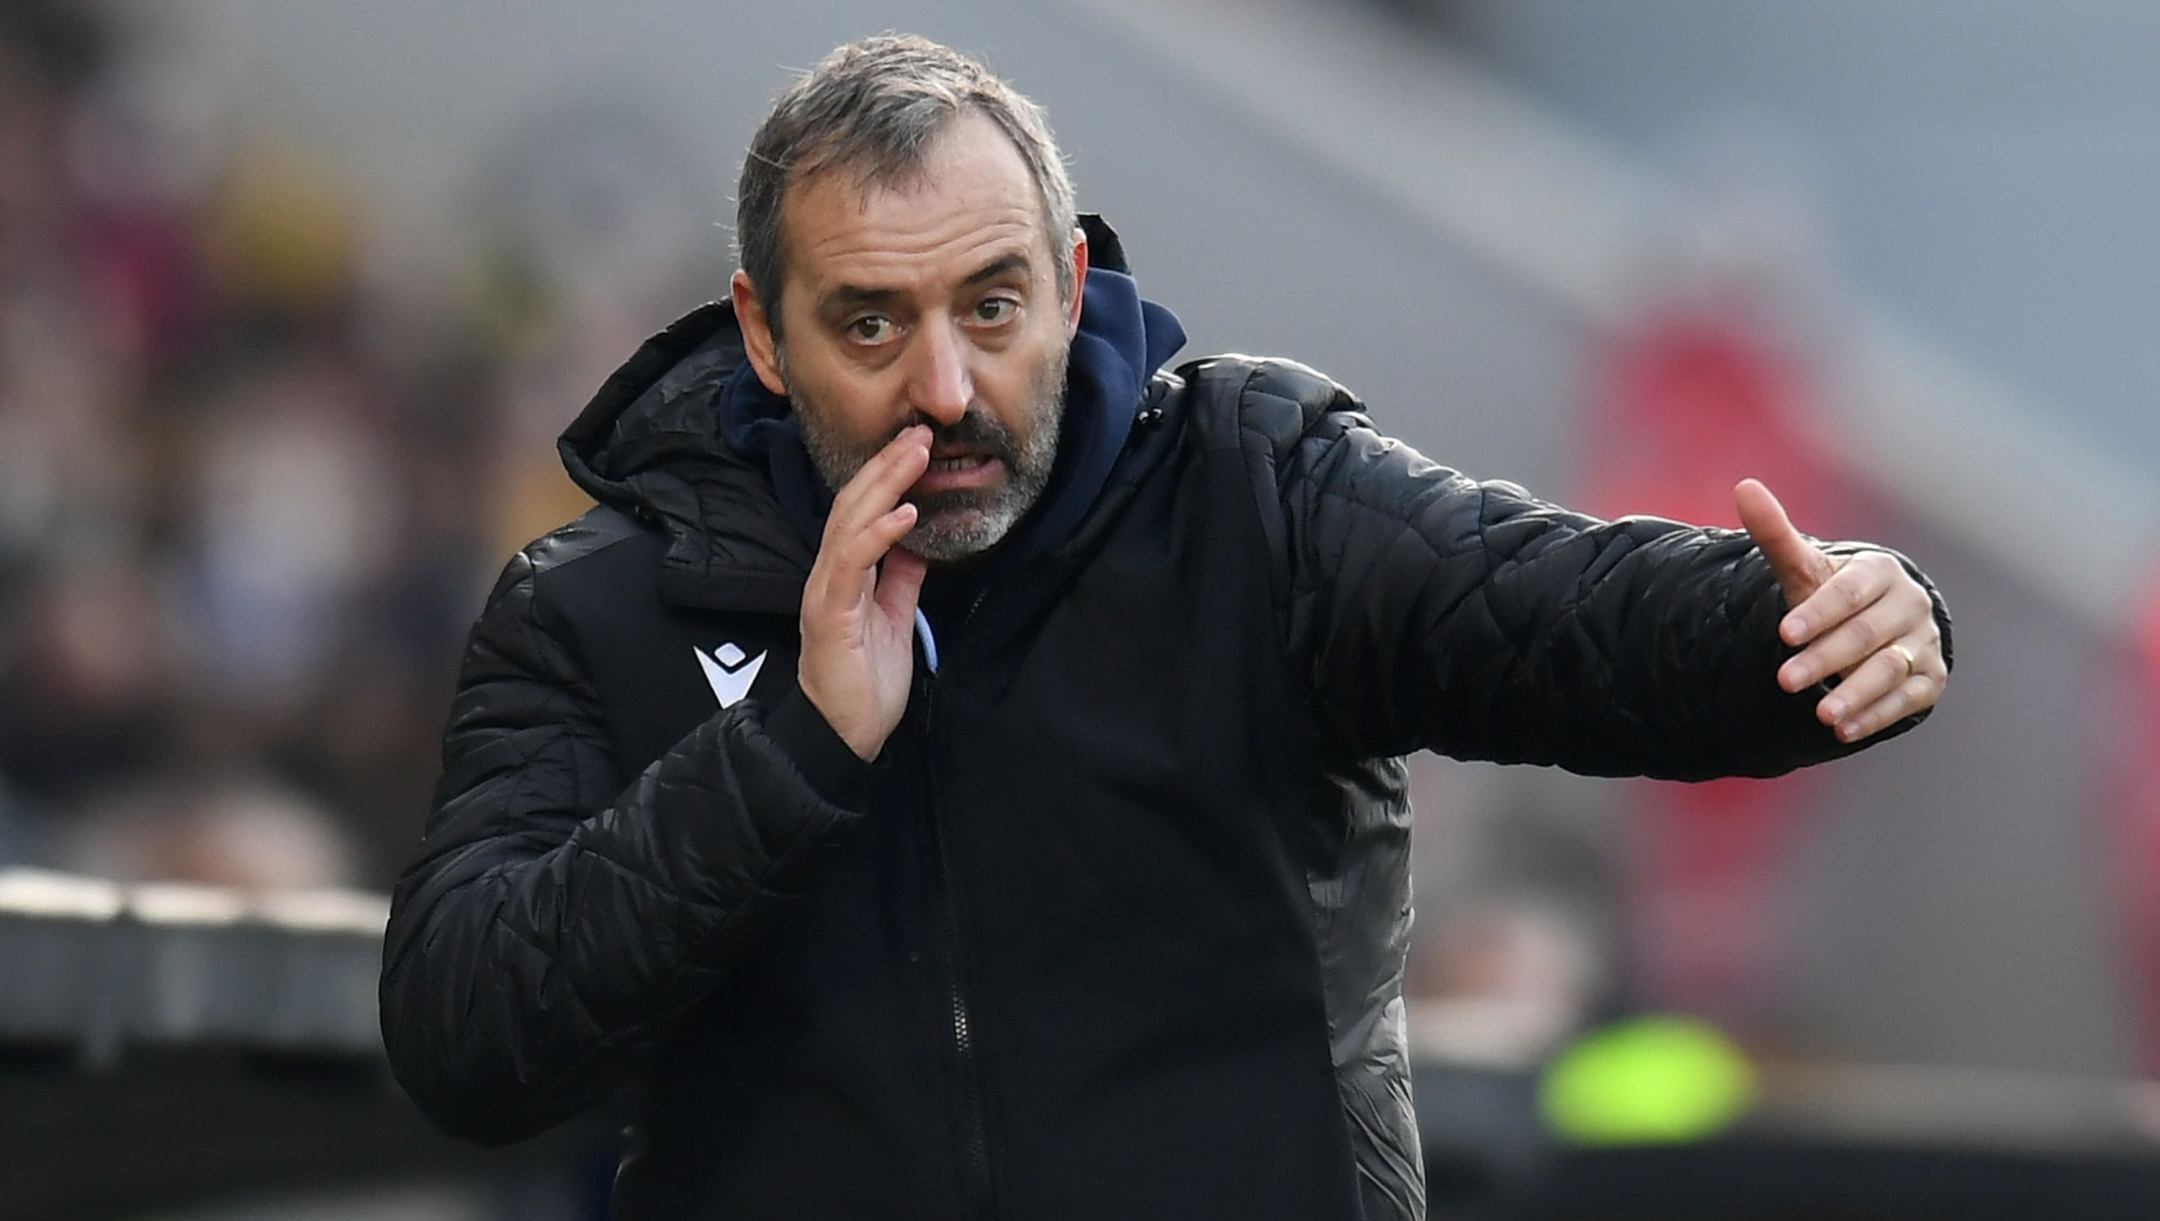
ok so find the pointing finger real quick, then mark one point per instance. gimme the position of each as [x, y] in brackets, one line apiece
[1800, 566]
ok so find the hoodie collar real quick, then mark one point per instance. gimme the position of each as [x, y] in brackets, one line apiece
[645, 446]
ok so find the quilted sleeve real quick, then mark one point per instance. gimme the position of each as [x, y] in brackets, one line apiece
[1434, 611]
[560, 916]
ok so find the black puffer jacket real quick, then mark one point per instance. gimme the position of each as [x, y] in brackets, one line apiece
[1116, 926]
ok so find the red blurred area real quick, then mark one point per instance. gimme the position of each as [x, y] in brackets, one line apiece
[1689, 399]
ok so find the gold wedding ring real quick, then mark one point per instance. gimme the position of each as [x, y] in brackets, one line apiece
[1912, 663]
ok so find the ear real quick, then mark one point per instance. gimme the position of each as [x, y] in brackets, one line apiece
[1079, 283]
[758, 342]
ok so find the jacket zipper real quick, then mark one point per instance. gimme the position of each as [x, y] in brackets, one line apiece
[977, 1189]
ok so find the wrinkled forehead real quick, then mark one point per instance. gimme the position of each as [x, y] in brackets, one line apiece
[967, 200]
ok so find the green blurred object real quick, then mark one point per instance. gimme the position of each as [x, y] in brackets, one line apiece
[1649, 1080]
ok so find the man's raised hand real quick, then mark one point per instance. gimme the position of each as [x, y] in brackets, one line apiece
[1860, 616]
[858, 616]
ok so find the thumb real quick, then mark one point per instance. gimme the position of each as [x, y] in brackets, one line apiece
[900, 581]
[1800, 567]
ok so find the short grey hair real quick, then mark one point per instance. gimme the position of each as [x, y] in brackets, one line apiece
[872, 109]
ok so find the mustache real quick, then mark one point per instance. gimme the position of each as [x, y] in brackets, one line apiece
[977, 430]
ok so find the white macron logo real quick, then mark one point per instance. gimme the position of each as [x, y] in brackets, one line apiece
[729, 670]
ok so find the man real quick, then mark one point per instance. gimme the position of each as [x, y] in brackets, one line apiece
[956, 770]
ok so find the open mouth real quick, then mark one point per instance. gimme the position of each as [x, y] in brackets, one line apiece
[962, 471]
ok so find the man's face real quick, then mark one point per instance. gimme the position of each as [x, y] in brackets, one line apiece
[934, 302]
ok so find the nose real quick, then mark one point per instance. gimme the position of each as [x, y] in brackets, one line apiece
[940, 384]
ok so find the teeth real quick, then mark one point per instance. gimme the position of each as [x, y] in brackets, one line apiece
[961, 463]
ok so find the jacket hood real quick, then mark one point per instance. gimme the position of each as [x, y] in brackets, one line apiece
[683, 436]
[646, 446]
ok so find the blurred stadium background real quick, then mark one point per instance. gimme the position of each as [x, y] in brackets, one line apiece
[294, 296]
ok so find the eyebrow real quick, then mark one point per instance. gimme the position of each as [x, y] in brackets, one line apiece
[997, 269]
[849, 296]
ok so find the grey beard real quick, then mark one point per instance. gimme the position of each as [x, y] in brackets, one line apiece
[956, 526]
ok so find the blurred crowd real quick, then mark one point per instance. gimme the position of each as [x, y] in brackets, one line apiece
[251, 489]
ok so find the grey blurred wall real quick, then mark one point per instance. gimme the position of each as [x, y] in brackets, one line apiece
[1993, 168]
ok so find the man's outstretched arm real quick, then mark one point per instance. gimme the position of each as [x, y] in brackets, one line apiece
[1471, 618]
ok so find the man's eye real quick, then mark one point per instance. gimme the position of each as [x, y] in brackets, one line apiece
[993, 310]
[872, 328]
